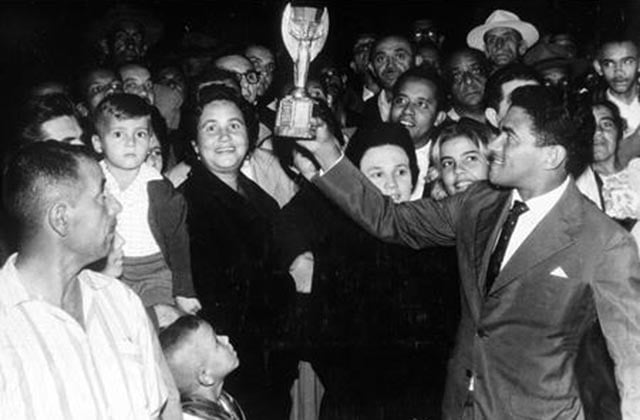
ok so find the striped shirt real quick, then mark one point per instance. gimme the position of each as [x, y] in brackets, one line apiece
[51, 368]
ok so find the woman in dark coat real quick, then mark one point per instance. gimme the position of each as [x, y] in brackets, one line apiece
[230, 224]
[376, 319]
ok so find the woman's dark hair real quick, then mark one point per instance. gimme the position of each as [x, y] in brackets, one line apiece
[381, 134]
[222, 93]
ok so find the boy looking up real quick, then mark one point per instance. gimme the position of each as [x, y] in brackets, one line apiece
[156, 261]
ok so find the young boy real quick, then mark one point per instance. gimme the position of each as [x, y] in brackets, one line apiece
[617, 63]
[156, 260]
[199, 361]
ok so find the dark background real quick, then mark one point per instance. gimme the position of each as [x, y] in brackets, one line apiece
[44, 40]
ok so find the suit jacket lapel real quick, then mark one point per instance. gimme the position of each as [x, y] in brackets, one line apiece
[554, 233]
[488, 224]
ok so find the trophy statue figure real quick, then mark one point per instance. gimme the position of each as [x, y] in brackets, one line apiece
[304, 32]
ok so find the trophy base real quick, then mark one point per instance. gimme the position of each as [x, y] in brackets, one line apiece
[293, 119]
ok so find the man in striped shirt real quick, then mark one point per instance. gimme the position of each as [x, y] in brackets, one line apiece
[74, 344]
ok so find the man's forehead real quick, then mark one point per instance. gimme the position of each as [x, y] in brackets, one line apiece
[463, 59]
[393, 43]
[619, 49]
[260, 53]
[101, 77]
[129, 27]
[502, 31]
[417, 88]
[235, 63]
[135, 71]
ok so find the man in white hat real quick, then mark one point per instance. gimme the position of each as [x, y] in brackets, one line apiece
[503, 37]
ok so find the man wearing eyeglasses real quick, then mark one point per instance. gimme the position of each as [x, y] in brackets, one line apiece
[247, 76]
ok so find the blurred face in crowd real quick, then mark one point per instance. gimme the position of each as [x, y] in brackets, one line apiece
[65, 129]
[555, 76]
[361, 53]
[618, 64]
[136, 80]
[387, 166]
[173, 78]
[606, 136]
[426, 30]
[461, 164]
[128, 43]
[428, 56]
[264, 63]
[244, 71]
[503, 45]
[416, 108]
[154, 157]
[223, 140]
[391, 57]
[468, 80]
[100, 84]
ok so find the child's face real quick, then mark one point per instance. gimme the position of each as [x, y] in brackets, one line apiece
[221, 358]
[618, 64]
[124, 142]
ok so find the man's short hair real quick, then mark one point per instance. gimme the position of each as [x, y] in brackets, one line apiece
[555, 125]
[515, 71]
[615, 37]
[426, 74]
[45, 108]
[36, 174]
[121, 106]
[176, 334]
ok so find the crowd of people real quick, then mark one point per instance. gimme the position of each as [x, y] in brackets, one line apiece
[458, 241]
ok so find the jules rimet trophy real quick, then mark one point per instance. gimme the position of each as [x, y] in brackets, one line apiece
[304, 32]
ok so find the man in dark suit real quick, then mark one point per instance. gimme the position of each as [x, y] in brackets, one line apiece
[538, 265]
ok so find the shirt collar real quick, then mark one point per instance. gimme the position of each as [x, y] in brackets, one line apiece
[620, 103]
[543, 203]
[13, 292]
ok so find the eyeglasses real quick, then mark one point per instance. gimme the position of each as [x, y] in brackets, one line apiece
[251, 76]
[98, 89]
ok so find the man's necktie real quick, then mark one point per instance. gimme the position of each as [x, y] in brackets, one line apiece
[501, 247]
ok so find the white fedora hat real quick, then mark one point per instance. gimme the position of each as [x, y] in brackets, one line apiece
[502, 19]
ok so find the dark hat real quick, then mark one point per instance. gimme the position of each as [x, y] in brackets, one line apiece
[152, 26]
[546, 56]
[380, 134]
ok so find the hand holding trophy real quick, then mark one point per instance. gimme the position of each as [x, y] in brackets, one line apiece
[304, 32]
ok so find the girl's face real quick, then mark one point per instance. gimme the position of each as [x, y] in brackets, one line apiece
[387, 166]
[462, 164]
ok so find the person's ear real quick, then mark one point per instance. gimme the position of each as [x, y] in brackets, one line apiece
[82, 109]
[58, 218]
[97, 144]
[492, 117]
[418, 60]
[597, 66]
[440, 118]
[522, 48]
[194, 144]
[205, 378]
[555, 156]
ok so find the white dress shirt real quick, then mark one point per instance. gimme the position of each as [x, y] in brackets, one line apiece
[539, 207]
[423, 156]
[384, 106]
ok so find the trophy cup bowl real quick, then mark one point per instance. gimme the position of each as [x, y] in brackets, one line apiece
[304, 32]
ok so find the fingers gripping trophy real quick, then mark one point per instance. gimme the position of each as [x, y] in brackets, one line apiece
[304, 32]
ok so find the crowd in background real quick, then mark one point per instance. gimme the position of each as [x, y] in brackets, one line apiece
[218, 231]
